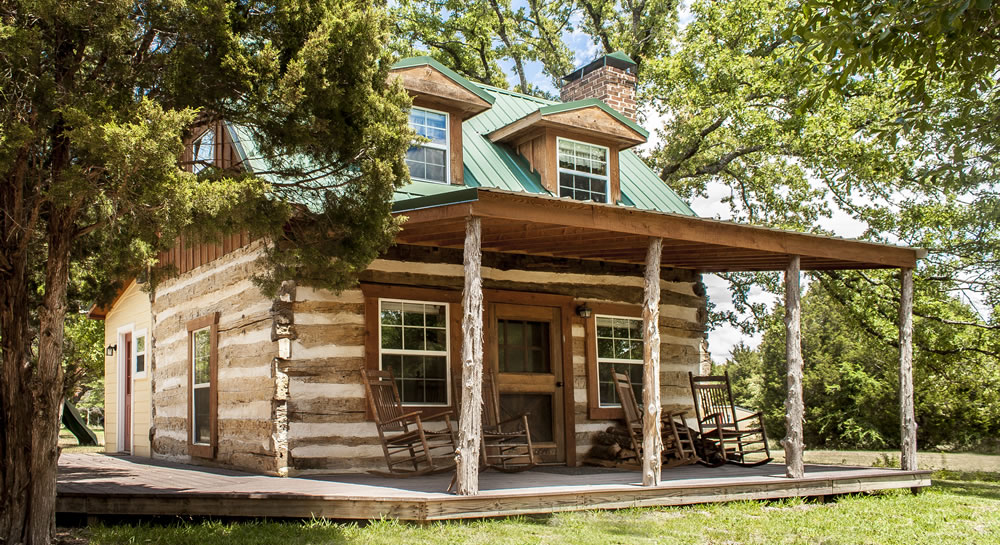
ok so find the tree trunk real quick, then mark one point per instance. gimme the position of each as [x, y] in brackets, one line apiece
[907, 417]
[652, 442]
[470, 418]
[794, 406]
[16, 406]
[32, 391]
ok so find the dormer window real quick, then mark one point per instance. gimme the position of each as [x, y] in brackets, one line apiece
[203, 151]
[428, 161]
[583, 171]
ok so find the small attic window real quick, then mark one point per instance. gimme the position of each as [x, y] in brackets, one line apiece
[203, 151]
[583, 171]
[428, 161]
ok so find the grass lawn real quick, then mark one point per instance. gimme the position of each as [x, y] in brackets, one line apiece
[69, 443]
[961, 508]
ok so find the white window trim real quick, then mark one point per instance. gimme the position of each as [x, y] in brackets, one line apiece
[446, 147]
[194, 386]
[120, 363]
[136, 374]
[601, 360]
[404, 352]
[607, 163]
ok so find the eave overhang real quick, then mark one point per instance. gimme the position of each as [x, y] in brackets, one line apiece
[549, 226]
[589, 118]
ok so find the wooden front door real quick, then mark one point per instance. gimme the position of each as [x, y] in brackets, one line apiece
[525, 354]
[126, 413]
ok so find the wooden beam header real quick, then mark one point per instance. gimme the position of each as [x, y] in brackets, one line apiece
[616, 233]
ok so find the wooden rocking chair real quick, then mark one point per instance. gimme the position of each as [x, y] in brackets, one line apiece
[506, 443]
[678, 445]
[737, 440]
[405, 442]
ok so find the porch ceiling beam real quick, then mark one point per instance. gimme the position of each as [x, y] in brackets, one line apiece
[907, 416]
[470, 417]
[794, 407]
[652, 442]
[594, 244]
[497, 205]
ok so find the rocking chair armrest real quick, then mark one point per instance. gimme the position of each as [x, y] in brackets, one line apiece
[519, 417]
[435, 416]
[750, 417]
[715, 417]
[407, 416]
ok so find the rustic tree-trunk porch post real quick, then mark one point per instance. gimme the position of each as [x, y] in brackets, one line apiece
[907, 416]
[794, 406]
[652, 443]
[470, 417]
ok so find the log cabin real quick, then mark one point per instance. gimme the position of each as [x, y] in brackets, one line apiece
[537, 212]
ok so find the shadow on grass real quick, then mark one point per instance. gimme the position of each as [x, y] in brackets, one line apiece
[969, 483]
[219, 532]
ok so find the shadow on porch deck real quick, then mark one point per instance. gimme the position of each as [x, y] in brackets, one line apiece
[96, 484]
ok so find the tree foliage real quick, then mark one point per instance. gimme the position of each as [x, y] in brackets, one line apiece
[850, 378]
[95, 103]
[804, 114]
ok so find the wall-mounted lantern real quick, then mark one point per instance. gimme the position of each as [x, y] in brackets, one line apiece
[110, 350]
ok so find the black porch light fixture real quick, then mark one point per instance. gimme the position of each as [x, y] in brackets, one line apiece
[110, 350]
[584, 311]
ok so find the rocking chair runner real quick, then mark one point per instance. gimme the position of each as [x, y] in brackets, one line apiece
[405, 442]
[737, 439]
[506, 443]
[678, 445]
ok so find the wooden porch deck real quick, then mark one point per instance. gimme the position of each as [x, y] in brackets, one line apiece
[96, 485]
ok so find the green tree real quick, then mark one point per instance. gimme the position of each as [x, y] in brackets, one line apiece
[850, 377]
[94, 108]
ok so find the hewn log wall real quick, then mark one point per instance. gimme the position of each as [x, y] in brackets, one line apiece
[247, 427]
[328, 429]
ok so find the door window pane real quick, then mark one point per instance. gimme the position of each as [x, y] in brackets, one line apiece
[523, 346]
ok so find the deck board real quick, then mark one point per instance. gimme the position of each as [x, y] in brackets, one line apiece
[96, 484]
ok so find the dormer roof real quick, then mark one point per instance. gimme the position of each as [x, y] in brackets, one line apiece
[587, 118]
[433, 82]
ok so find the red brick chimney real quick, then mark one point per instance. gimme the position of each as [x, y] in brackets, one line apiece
[611, 78]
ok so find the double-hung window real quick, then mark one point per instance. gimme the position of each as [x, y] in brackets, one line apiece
[413, 344]
[428, 161]
[583, 171]
[139, 354]
[203, 349]
[619, 349]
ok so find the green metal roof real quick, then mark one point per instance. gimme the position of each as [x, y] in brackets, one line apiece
[588, 103]
[497, 166]
[410, 62]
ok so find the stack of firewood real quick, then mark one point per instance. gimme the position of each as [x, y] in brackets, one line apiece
[612, 445]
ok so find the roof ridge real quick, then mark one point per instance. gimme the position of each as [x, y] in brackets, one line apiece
[517, 94]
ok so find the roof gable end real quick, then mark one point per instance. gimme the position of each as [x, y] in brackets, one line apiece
[432, 81]
[588, 118]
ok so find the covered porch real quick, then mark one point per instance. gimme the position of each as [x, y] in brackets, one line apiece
[97, 485]
[477, 220]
